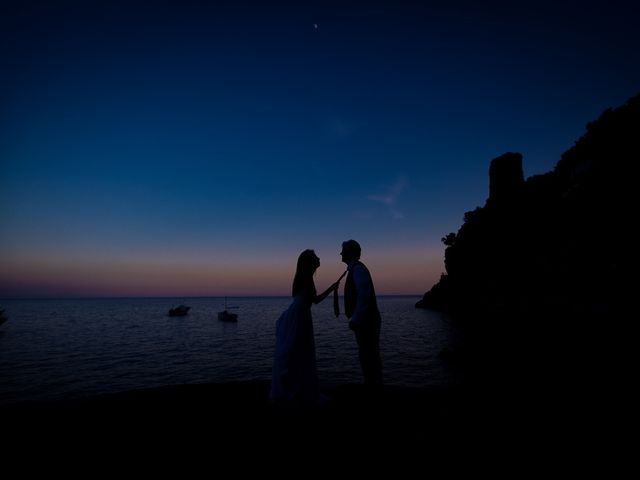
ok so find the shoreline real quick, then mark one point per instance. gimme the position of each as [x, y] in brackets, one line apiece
[246, 393]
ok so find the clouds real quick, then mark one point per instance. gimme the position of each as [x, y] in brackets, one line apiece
[390, 196]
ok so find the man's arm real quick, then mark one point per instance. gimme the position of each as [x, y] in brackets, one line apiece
[362, 280]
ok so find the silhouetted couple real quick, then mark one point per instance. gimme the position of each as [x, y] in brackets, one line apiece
[295, 375]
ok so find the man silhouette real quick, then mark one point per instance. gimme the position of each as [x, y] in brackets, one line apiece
[361, 308]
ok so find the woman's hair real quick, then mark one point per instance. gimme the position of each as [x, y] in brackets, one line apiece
[308, 263]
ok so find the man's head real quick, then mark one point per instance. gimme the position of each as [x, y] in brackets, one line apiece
[350, 251]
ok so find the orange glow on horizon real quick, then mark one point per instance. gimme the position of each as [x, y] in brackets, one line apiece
[405, 272]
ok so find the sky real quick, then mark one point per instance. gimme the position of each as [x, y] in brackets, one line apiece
[193, 148]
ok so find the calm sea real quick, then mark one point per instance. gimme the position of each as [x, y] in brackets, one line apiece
[66, 349]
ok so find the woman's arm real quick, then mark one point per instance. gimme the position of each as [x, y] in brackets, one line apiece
[318, 298]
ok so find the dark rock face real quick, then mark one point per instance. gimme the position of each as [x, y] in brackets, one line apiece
[554, 240]
[506, 180]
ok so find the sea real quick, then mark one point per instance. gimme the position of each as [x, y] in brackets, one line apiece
[68, 349]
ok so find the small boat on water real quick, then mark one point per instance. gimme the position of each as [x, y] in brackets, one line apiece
[179, 311]
[226, 315]
[3, 318]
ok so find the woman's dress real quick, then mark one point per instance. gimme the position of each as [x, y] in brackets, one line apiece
[295, 376]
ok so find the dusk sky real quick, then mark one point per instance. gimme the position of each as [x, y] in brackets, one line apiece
[196, 148]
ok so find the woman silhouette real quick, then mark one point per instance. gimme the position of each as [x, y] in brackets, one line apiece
[295, 376]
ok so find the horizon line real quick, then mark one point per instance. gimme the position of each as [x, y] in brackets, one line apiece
[124, 297]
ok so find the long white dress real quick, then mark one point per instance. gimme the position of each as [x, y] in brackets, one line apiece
[295, 375]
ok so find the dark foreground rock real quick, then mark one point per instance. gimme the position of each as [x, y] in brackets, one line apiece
[241, 411]
[233, 426]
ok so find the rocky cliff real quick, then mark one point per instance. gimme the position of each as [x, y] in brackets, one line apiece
[558, 240]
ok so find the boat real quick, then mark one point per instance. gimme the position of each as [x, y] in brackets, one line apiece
[3, 318]
[179, 311]
[226, 315]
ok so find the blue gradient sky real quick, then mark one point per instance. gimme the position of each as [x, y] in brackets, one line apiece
[195, 148]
